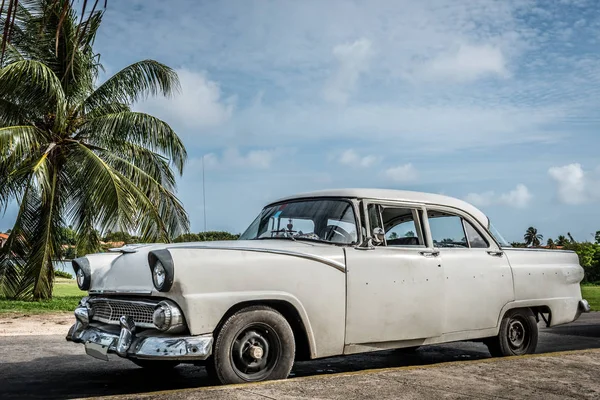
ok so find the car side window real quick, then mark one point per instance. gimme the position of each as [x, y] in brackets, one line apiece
[402, 227]
[447, 230]
[474, 238]
[374, 217]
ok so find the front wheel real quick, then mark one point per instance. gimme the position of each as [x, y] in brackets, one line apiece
[518, 334]
[254, 344]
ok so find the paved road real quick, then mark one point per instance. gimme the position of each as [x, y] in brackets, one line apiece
[48, 367]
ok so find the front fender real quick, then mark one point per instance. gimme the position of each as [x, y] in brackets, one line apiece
[207, 310]
[209, 282]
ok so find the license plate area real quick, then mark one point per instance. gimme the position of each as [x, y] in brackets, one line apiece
[97, 351]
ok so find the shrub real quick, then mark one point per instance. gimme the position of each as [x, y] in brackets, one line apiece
[62, 274]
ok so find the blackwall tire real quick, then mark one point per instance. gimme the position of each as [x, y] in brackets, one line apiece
[255, 344]
[518, 334]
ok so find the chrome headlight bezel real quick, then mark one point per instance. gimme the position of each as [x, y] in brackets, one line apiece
[83, 273]
[163, 258]
[167, 317]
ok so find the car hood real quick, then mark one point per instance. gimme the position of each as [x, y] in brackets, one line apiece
[126, 270]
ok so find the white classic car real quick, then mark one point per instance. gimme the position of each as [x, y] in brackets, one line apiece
[324, 274]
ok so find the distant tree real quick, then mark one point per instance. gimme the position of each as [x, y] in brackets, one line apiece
[597, 237]
[68, 236]
[393, 236]
[410, 234]
[532, 237]
[118, 237]
[571, 238]
[551, 244]
[209, 236]
[187, 237]
[562, 241]
[518, 244]
[589, 259]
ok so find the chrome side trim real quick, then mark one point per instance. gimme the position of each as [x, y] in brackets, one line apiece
[584, 306]
[335, 264]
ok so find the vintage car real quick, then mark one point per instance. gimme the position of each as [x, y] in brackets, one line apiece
[324, 274]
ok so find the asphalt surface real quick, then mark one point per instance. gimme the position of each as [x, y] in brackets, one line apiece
[48, 367]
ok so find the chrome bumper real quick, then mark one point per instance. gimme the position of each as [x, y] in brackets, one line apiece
[129, 345]
[584, 306]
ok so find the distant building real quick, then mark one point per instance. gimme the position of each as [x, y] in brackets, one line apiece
[3, 239]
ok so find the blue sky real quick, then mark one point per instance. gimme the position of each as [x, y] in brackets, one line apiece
[495, 102]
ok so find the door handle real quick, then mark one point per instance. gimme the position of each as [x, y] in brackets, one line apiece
[495, 253]
[433, 253]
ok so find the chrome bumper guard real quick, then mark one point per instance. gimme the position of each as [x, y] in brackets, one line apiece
[584, 306]
[127, 344]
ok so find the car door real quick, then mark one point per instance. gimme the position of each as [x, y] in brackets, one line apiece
[394, 292]
[478, 278]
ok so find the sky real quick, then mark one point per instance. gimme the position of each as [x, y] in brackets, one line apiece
[493, 102]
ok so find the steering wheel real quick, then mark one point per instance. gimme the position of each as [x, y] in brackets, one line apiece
[334, 233]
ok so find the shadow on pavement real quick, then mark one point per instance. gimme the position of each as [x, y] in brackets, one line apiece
[62, 371]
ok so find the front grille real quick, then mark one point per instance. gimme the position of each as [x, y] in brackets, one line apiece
[110, 310]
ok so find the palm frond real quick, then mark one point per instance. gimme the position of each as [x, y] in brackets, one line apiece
[12, 114]
[102, 189]
[32, 85]
[169, 209]
[133, 83]
[37, 275]
[139, 128]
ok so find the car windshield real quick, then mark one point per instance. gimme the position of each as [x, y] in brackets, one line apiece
[498, 237]
[330, 221]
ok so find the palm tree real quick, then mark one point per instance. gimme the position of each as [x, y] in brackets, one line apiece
[73, 153]
[551, 244]
[562, 240]
[532, 238]
[8, 17]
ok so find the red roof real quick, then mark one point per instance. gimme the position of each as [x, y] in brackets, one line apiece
[3, 236]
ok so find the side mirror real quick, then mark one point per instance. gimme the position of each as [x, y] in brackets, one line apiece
[378, 235]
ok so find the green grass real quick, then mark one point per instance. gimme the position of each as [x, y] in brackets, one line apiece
[592, 295]
[66, 297]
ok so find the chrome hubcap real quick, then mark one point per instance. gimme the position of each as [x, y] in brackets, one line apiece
[255, 352]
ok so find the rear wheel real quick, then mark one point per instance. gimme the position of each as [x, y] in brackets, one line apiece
[518, 334]
[254, 344]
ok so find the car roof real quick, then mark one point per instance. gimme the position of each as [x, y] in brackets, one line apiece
[396, 195]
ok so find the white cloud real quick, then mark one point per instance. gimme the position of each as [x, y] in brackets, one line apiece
[199, 104]
[402, 173]
[352, 158]
[468, 63]
[574, 185]
[519, 197]
[352, 59]
[232, 157]
[481, 199]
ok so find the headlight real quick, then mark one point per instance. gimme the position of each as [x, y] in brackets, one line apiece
[168, 317]
[83, 272]
[161, 269]
[80, 278]
[159, 275]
